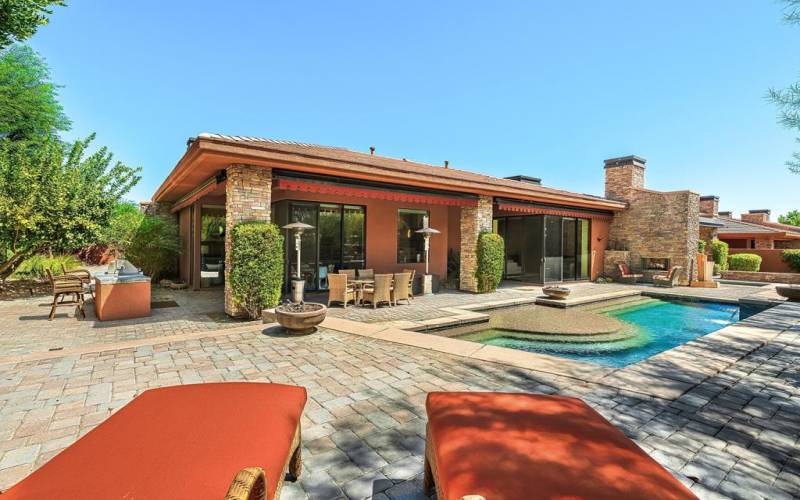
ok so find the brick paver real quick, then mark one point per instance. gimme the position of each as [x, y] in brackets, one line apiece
[735, 434]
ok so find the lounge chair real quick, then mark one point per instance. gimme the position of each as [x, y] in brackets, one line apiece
[380, 292]
[367, 274]
[339, 290]
[401, 289]
[510, 446]
[413, 273]
[668, 280]
[62, 287]
[350, 273]
[187, 441]
[625, 274]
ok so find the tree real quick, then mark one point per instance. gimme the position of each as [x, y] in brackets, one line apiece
[154, 247]
[56, 196]
[788, 99]
[792, 218]
[29, 107]
[19, 19]
[122, 226]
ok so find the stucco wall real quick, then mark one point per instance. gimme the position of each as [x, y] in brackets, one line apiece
[382, 230]
[771, 260]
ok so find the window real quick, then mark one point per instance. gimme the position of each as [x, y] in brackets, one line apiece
[410, 244]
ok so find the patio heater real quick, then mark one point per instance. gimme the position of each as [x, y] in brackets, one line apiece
[298, 284]
[427, 280]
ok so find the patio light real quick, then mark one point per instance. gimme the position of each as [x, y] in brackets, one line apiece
[298, 284]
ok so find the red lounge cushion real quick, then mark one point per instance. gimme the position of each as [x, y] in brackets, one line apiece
[176, 442]
[525, 446]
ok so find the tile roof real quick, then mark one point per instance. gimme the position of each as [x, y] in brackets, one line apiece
[738, 226]
[399, 165]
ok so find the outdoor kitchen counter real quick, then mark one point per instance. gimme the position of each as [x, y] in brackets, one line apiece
[121, 296]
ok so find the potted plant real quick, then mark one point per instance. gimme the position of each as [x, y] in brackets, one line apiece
[556, 292]
[300, 318]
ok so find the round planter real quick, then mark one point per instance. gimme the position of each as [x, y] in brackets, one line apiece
[791, 292]
[300, 318]
[556, 292]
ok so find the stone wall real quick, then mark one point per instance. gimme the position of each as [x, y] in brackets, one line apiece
[707, 234]
[763, 244]
[612, 258]
[791, 278]
[474, 220]
[656, 224]
[248, 192]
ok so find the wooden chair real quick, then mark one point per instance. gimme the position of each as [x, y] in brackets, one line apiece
[625, 274]
[366, 274]
[381, 291]
[401, 289]
[668, 280]
[83, 274]
[340, 291]
[249, 484]
[413, 273]
[350, 273]
[63, 286]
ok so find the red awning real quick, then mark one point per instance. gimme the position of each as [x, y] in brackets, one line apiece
[305, 186]
[564, 212]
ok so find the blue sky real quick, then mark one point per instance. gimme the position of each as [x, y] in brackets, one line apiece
[548, 89]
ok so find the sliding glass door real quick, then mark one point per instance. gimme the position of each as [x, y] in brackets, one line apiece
[545, 248]
[338, 240]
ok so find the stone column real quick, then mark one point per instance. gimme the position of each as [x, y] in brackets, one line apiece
[248, 196]
[474, 221]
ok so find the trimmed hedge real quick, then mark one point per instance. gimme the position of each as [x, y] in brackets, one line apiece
[744, 262]
[257, 258]
[491, 253]
[792, 257]
[719, 252]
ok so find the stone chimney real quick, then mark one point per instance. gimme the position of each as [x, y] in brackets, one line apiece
[623, 175]
[757, 216]
[709, 205]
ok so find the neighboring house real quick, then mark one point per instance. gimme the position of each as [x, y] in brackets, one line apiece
[754, 230]
[366, 208]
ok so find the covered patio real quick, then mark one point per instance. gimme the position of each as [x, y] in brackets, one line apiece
[366, 210]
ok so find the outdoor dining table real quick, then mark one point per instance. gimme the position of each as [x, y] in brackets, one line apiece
[359, 285]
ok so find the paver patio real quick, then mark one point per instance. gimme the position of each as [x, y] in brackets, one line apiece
[733, 433]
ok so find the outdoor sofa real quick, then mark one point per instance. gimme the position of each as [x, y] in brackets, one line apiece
[626, 275]
[202, 441]
[503, 446]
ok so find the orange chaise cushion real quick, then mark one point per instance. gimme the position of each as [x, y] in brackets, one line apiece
[526, 446]
[176, 442]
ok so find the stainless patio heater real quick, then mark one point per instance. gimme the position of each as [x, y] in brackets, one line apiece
[298, 284]
[427, 280]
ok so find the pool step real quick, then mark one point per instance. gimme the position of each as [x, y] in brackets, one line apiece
[628, 303]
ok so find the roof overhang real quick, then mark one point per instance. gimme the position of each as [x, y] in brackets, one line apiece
[777, 235]
[206, 157]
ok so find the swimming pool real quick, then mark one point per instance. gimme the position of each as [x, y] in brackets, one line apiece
[645, 327]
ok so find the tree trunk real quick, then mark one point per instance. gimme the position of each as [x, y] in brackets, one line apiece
[7, 267]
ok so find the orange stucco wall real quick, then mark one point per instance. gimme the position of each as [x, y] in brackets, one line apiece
[382, 230]
[599, 244]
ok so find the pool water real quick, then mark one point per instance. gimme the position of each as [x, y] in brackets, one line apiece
[650, 328]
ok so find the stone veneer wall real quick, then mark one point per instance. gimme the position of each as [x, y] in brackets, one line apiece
[790, 278]
[660, 225]
[248, 192]
[707, 234]
[612, 258]
[764, 244]
[474, 220]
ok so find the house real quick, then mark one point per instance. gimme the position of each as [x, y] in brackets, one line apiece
[754, 230]
[365, 209]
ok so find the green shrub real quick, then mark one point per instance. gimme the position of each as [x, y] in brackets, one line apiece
[154, 247]
[453, 267]
[719, 253]
[744, 262]
[257, 260]
[792, 257]
[491, 253]
[701, 246]
[717, 269]
[35, 267]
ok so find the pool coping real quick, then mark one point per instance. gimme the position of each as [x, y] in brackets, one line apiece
[666, 375]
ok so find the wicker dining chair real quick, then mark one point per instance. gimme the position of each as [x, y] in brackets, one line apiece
[350, 273]
[381, 291]
[83, 274]
[412, 272]
[401, 289]
[63, 286]
[366, 274]
[340, 291]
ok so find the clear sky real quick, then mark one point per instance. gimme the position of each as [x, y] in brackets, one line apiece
[548, 89]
